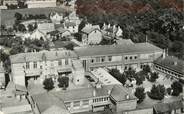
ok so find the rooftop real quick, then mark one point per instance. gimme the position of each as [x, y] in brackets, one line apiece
[82, 93]
[40, 56]
[120, 93]
[116, 49]
[69, 24]
[89, 28]
[172, 63]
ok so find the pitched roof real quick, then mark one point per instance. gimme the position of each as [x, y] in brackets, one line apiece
[172, 63]
[68, 24]
[120, 93]
[55, 110]
[88, 29]
[116, 49]
[40, 56]
[83, 93]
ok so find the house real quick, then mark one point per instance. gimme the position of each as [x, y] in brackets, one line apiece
[13, 100]
[10, 2]
[40, 65]
[36, 34]
[40, 3]
[91, 34]
[46, 27]
[73, 17]
[2, 76]
[56, 18]
[168, 108]
[122, 57]
[169, 65]
[71, 26]
[122, 100]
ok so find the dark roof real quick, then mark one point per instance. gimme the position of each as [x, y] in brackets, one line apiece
[68, 24]
[116, 49]
[168, 107]
[120, 93]
[53, 32]
[172, 63]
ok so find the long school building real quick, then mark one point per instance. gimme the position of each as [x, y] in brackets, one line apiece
[122, 57]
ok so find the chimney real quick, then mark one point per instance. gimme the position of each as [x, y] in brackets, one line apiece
[164, 54]
[94, 93]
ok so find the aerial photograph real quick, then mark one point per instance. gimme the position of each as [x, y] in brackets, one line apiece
[91, 56]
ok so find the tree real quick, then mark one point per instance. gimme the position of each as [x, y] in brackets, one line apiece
[139, 80]
[30, 28]
[116, 74]
[70, 46]
[18, 16]
[63, 82]
[140, 94]
[157, 92]
[82, 25]
[153, 77]
[21, 28]
[177, 88]
[146, 69]
[17, 49]
[48, 84]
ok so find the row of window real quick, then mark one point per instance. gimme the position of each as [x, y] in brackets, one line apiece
[100, 99]
[168, 72]
[77, 103]
[35, 66]
[109, 59]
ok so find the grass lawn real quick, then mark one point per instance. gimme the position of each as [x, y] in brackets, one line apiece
[7, 16]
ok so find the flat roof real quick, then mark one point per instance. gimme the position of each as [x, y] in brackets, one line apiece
[171, 63]
[40, 56]
[104, 77]
[116, 49]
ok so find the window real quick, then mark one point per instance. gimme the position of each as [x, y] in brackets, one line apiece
[27, 65]
[92, 60]
[103, 59]
[135, 57]
[35, 65]
[126, 58]
[110, 58]
[85, 102]
[59, 63]
[66, 61]
[130, 57]
[76, 103]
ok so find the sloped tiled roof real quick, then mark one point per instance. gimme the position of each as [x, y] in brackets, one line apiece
[40, 56]
[89, 29]
[116, 49]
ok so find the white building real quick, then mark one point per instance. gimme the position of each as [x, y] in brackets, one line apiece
[36, 34]
[40, 3]
[71, 26]
[46, 27]
[41, 65]
[56, 18]
[91, 34]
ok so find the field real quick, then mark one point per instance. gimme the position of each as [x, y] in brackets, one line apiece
[7, 16]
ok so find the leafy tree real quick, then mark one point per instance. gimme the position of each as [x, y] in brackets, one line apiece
[147, 69]
[139, 80]
[21, 28]
[157, 92]
[177, 88]
[153, 77]
[63, 82]
[140, 94]
[30, 28]
[17, 49]
[18, 16]
[116, 74]
[48, 84]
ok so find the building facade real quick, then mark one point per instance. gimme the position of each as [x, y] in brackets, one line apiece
[2, 76]
[40, 3]
[41, 65]
[122, 57]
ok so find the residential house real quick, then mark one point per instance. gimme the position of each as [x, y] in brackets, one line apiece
[71, 26]
[91, 34]
[36, 34]
[170, 66]
[13, 100]
[10, 2]
[56, 18]
[40, 3]
[46, 27]
[73, 17]
[122, 57]
[2, 76]
[45, 64]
